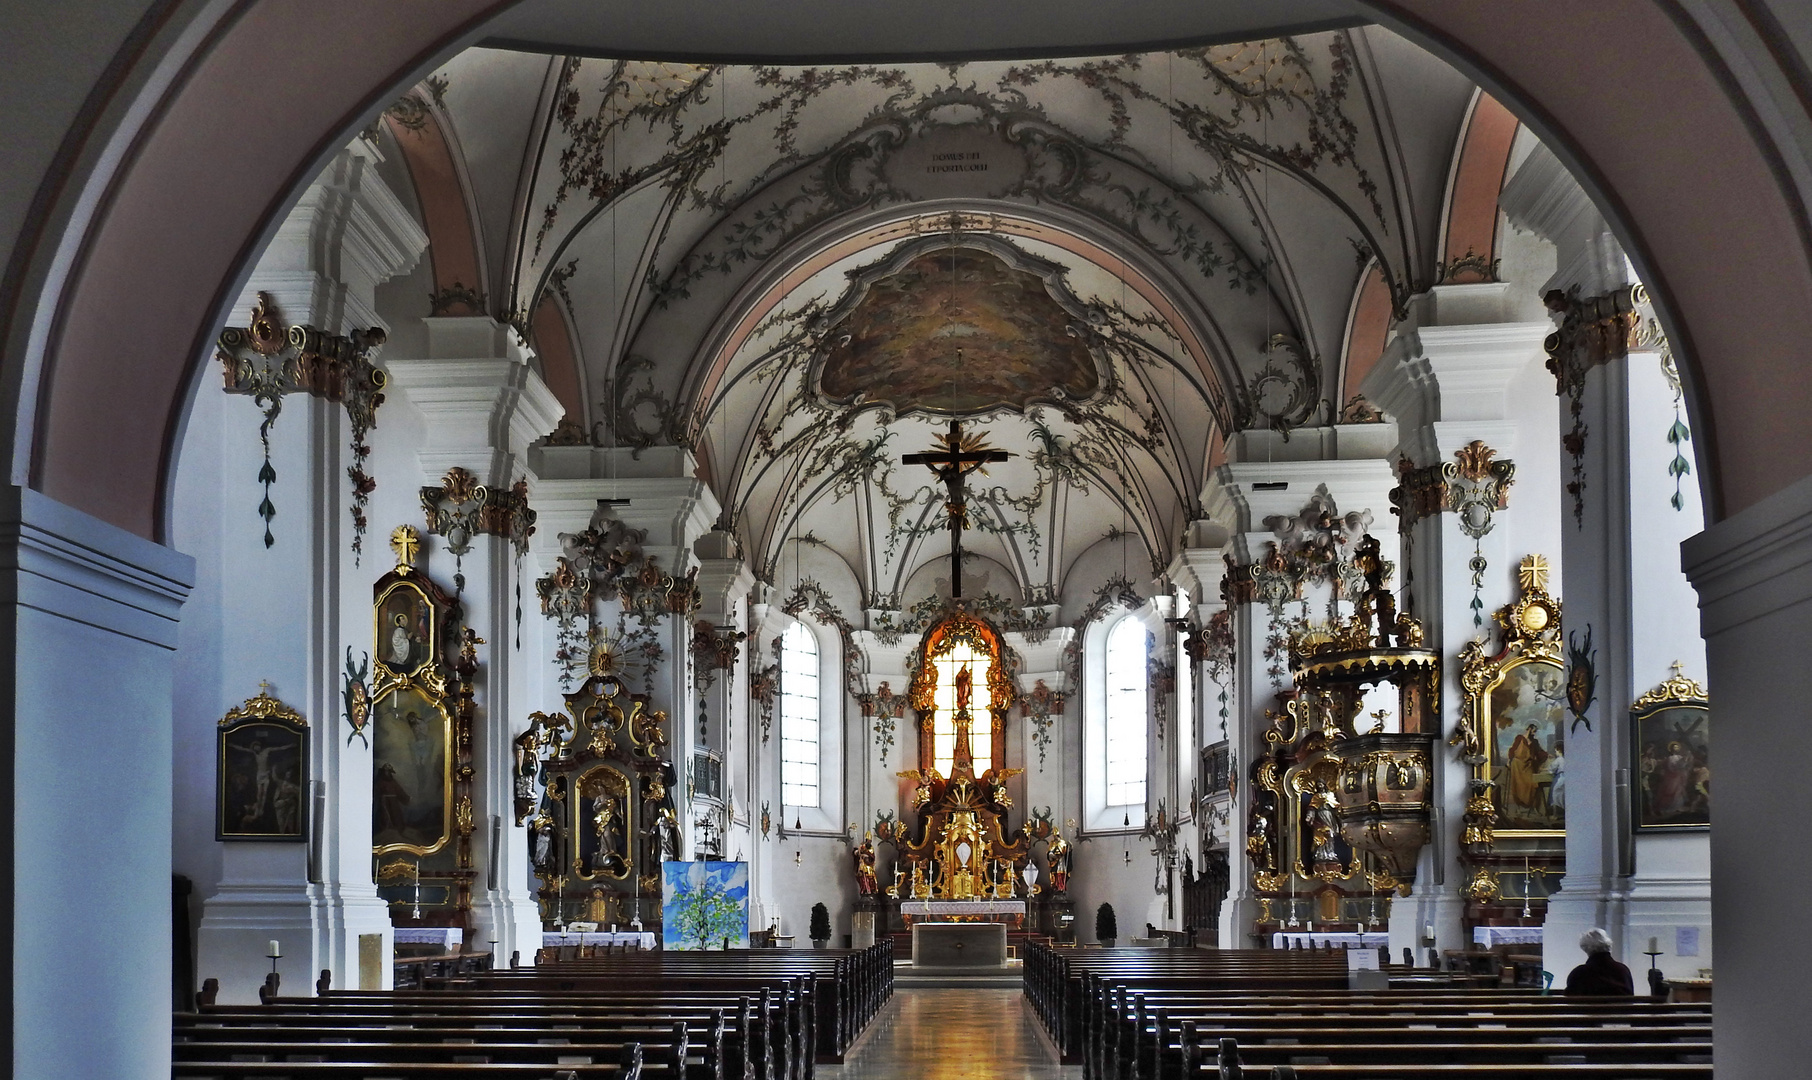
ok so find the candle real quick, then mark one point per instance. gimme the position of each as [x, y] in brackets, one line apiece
[274, 950]
[1654, 944]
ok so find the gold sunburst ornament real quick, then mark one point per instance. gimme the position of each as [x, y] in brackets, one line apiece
[609, 659]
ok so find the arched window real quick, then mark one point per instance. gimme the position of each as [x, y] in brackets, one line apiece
[799, 717]
[962, 655]
[1125, 678]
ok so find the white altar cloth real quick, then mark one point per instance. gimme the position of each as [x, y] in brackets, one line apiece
[1282, 940]
[447, 937]
[931, 909]
[643, 940]
[1489, 936]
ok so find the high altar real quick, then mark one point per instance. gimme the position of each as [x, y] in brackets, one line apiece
[964, 862]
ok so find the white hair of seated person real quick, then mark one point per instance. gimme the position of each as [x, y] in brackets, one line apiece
[1595, 940]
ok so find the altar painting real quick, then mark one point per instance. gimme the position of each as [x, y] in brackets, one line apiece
[704, 905]
[1528, 748]
[1671, 729]
[411, 782]
[405, 629]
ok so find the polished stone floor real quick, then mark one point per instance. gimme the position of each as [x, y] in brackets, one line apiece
[952, 1034]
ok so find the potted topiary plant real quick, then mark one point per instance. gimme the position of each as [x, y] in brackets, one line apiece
[821, 928]
[1106, 929]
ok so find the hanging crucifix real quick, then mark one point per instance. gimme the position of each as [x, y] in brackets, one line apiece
[960, 455]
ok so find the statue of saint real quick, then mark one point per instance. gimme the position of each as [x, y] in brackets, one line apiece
[865, 866]
[1324, 829]
[544, 845]
[1058, 857]
[965, 690]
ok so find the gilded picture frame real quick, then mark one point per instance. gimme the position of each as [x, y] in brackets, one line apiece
[1670, 758]
[1522, 714]
[412, 772]
[261, 787]
[414, 720]
[1513, 726]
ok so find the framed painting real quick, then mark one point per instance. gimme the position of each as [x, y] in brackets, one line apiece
[408, 638]
[1525, 714]
[1515, 719]
[412, 772]
[262, 773]
[704, 905]
[1670, 729]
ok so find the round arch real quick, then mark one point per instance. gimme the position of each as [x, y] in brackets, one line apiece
[112, 289]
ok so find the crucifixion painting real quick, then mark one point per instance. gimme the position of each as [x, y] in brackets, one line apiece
[958, 456]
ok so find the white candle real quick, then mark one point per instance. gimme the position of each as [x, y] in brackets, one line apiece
[1654, 944]
[274, 950]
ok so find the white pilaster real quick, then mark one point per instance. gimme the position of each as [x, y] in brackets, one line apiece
[1461, 368]
[482, 406]
[348, 235]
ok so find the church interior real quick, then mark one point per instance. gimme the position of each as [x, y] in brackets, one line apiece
[1002, 543]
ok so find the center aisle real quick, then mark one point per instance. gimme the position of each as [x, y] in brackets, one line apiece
[952, 1034]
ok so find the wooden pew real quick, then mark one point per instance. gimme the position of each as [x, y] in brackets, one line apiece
[1188, 1015]
[629, 1066]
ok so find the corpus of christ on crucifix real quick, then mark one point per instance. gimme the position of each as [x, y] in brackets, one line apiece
[959, 456]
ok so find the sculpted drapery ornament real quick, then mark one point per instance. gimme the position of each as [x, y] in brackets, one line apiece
[269, 359]
[886, 707]
[1594, 330]
[1041, 707]
[460, 508]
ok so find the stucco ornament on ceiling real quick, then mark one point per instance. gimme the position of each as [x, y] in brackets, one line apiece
[957, 330]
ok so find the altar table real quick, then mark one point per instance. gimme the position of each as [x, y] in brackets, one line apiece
[969, 945]
[1001, 911]
[1282, 940]
[642, 940]
[447, 937]
[1490, 936]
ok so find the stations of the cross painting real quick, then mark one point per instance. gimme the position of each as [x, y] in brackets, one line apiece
[958, 456]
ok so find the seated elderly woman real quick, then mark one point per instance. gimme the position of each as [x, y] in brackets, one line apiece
[1599, 976]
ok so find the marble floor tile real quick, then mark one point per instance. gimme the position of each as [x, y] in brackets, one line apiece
[952, 1034]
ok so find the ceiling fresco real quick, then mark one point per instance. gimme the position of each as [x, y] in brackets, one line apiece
[957, 331]
[1156, 249]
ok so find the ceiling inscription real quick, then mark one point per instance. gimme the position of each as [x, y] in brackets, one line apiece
[957, 161]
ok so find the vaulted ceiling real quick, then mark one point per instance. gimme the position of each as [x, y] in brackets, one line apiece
[746, 255]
